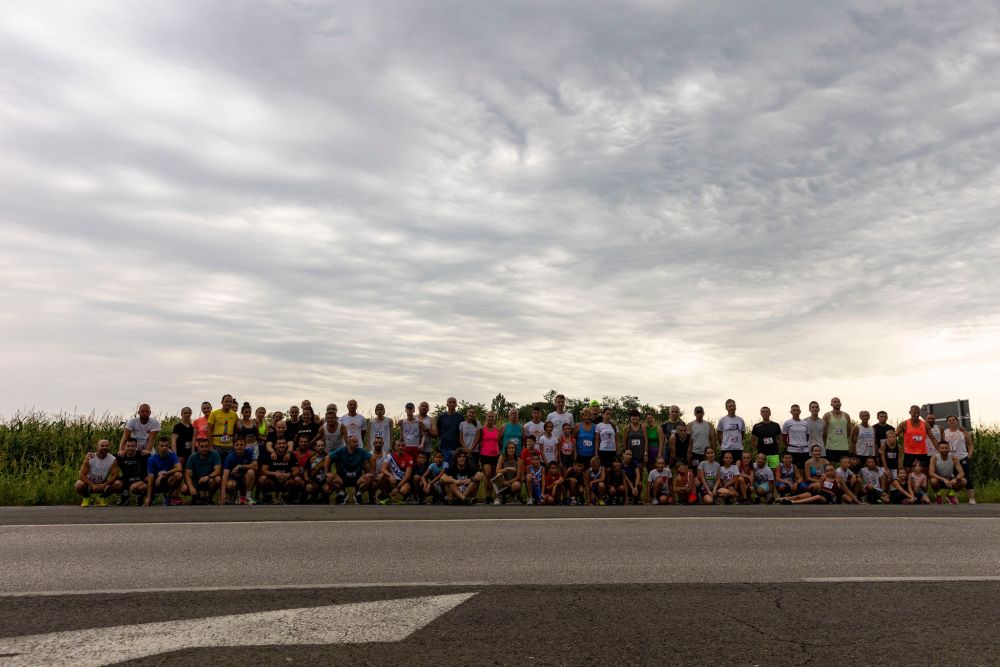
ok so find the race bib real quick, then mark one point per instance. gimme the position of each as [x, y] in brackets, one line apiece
[918, 438]
[224, 438]
[768, 441]
[827, 485]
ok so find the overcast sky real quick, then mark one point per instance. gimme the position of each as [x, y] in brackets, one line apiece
[686, 201]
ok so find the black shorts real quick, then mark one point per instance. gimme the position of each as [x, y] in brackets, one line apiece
[799, 459]
[834, 456]
[127, 482]
[637, 454]
[967, 469]
[909, 459]
[607, 458]
[161, 486]
[350, 478]
[830, 498]
[584, 459]
[896, 497]
[566, 461]
[488, 460]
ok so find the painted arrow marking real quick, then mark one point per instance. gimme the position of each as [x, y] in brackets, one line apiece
[379, 621]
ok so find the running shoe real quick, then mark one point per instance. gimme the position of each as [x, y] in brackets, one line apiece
[496, 501]
[241, 500]
[656, 501]
[166, 501]
[601, 502]
[176, 501]
[102, 502]
[953, 500]
[85, 502]
[250, 501]
[939, 500]
[125, 497]
[972, 501]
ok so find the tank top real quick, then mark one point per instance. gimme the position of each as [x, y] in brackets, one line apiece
[512, 433]
[865, 445]
[936, 432]
[816, 434]
[892, 457]
[956, 442]
[334, 439]
[787, 474]
[701, 436]
[100, 468]
[944, 467]
[837, 438]
[652, 437]
[585, 440]
[382, 428]
[682, 446]
[566, 445]
[490, 443]
[633, 439]
[262, 430]
[914, 438]
[816, 469]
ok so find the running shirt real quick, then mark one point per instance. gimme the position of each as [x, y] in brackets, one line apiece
[669, 427]
[535, 475]
[837, 438]
[566, 446]
[356, 425]
[797, 431]
[558, 420]
[466, 472]
[915, 438]
[550, 447]
[490, 443]
[880, 431]
[333, 438]
[701, 437]
[872, 478]
[350, 463]
[433, 470]
[767, 434]
[711, 471]
[234, 459]
[100, 468]
[655, 474]
[816, 434]
[203, 467]
[944, 467]
[141, 431]
[185, 436]
[936, 432]
[512, 433]
[398, 463]
[786, 474]
[845, 475]
[585, 440]
[535, 429]
[653, 437]
[607, 438]
[865, 445]
[631, 470]
[223, 427]
[956, 442]
[762, 474]
[410, 431]
[729, 473]
[467, 434]
[892, 458]
[201, 427]
[157, 464]
[133, 469]
[732, 429]
[376, 427]
[633, 441]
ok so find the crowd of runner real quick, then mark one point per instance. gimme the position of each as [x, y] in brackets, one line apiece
[238, 455]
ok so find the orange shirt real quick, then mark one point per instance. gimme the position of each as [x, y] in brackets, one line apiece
[915, 438]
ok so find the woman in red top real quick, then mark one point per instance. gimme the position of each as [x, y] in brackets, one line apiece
[489, 448]
[915, 435]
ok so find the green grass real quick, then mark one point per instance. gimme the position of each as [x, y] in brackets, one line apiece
[40, 455]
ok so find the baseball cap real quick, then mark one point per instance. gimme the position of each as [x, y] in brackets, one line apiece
[594, 403]
[408, 405]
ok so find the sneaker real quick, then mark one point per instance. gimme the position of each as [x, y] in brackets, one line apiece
[531, 501]
[384, 501]
[972, 501]
[250, 501]
[124, 498]
[166, 501]
[241, 500]
[601, 502]
[656, 501]
[85, 502]
[496, 501]
[939, 500]
[176, 501]
[102, 502]
[574, 502]
[340, 499]
[953, 500]
[786, 501]
[357, 498]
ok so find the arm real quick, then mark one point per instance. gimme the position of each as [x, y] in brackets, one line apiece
[125, 436]
[959, 472]
[222, 489]
[84, 471]
[173, 443]
[968, 441]
[672, 446]
[854, 439]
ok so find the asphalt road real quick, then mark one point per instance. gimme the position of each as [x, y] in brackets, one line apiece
[741, 585]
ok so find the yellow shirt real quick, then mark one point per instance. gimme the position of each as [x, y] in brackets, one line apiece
[222, 426]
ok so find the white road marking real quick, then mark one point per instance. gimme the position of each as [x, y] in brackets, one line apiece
[219, 589]
[292, 522]
[838, 580]
[380, 621]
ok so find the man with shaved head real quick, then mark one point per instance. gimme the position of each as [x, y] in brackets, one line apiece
[837, 427]
[447, 427]
[144, 428]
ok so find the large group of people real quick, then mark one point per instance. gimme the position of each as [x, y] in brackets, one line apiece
[231, 455]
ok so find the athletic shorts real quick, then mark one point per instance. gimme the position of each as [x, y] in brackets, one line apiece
[652, 453]
[773, 461]
[488, 460]
[161, 486]
[127, 482]
[636, 453]
[799, 459]
[830, 498]
[781, 486]
[607, 458]
[762, 489]
[834, 456]
[350, 479]
[584, 459]
[566, 461]
[909, 459]
[413, 451]
[967, 469]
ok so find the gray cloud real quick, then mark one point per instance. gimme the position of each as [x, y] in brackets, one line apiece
[401, 201]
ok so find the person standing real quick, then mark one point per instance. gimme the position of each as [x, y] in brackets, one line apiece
[961, 446]
[796, 435]
[915, 435]
[703, 436]
[837, 427]
[410, 430]
[512, 431]
[635, 438]
[382, 425]
[426, 427]
[817, 428]
[673, 421]
[182, 437]
[654, 441]
[881, 428]
[222, 426]
[144, 428]
[765, 437]
[201, 423]
[560, 416]
[536, 427]
[446, 429]
[607, 439]
[863, 439]
[357, 425]
[935, 431]
[730, 431]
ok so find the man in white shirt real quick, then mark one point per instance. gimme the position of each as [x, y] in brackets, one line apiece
[143, 428]
[730, 431]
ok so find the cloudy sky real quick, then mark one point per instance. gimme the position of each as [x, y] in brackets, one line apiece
[687, 201]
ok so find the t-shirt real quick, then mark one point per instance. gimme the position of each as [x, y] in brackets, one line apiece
[467, 433]
[350, 463]
[872, 478]
[132, 469]
[464, 473]
[631, 470]
[398, 463]
[711, 471]
[433, 470]
[730, 473]
[606, 438]
[550, 447]
[141, 431]
[201, 426]
[233, 459]
[356, 426]
[797, 431]
[384, 429]
[537, 430]
[732, 429]
[157, 464]
[816, 427]
[956, 443]
[880, 431]
[767, 434]
[224, 426]
[655, 474]
[203, 467]
[185, 436]
[559, 419]
[447, 427]
[763, 474]
[309, 429]
[845, 475]
[277, 463]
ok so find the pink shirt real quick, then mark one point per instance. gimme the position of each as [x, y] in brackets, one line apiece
[490, 443]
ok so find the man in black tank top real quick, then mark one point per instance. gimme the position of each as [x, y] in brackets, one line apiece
[680, 444]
